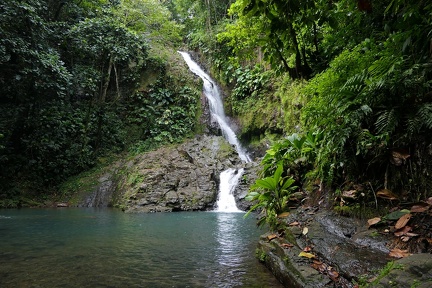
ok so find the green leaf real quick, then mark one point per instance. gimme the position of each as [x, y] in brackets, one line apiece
[278, 172]
[288, 182]
[396, 214]
[266, 183]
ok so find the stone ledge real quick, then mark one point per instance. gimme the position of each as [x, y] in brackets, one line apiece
[345, 245]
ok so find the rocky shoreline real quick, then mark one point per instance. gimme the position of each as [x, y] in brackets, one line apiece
[322, 249]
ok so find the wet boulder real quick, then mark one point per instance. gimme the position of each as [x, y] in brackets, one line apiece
[181, 178]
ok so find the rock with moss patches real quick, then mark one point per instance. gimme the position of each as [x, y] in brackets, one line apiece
[413, 271]
[182, 178]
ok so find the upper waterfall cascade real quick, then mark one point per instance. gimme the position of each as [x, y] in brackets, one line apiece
[229, 178]
[212, 93]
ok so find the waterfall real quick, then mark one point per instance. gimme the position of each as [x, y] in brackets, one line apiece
[211, 91]
[230, 177]
[228, 181]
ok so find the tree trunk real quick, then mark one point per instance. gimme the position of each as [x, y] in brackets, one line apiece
[298, 60]
[117, 82]
[315, 37]
[102, 98]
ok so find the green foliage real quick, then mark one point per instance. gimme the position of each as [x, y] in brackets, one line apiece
[260, 255]
[72, 88]
[297, 152]
[249, 83]
[271, 195]
[369, 105]
[151, 18]
[389, 267]
[370, 94]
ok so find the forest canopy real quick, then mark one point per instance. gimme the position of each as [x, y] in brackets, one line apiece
[344, 85]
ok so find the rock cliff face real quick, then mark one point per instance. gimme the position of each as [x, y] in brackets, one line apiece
[177, 178]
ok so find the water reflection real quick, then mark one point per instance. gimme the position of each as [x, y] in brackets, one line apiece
[107, 248]
[230, 249]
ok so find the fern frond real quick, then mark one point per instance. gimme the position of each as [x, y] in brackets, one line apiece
[387, 121]
[384, 66]
[425, 115]
[353, 86]
[413, 125]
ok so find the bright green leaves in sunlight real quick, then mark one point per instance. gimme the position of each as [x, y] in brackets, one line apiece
[287, 33]
[150, 18]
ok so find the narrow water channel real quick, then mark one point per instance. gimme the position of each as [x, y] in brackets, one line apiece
[108, 248]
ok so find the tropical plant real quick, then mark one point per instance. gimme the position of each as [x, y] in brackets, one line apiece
[271, 195]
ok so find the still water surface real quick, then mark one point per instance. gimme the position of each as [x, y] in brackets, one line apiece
[108, 248]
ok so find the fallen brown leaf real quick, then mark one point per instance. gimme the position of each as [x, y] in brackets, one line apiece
[429, 201]
[333, 274]
[272, 236]
[405, 238]
[420, 207]
[294, 223]
[399, 157]
[320, 266]
[351, 194]
[386, 194]
[307, 249]
[398, 253]
[374, 221]
[283, 215]
[402, 231]
[402, 221]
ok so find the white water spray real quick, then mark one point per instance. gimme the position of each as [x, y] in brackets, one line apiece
[228, 181]
[230, 177]
[211, 91]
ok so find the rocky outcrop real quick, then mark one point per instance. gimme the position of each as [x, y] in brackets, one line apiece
[322, 249]
[250, 174]
[102, 194]
[337, 250]
[176, 178]
[412, 271]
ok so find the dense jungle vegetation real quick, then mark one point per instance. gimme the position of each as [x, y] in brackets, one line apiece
[81, 80]
[347, 84]
[340, 90]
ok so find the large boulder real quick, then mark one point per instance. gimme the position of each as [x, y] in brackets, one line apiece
[181, 178]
